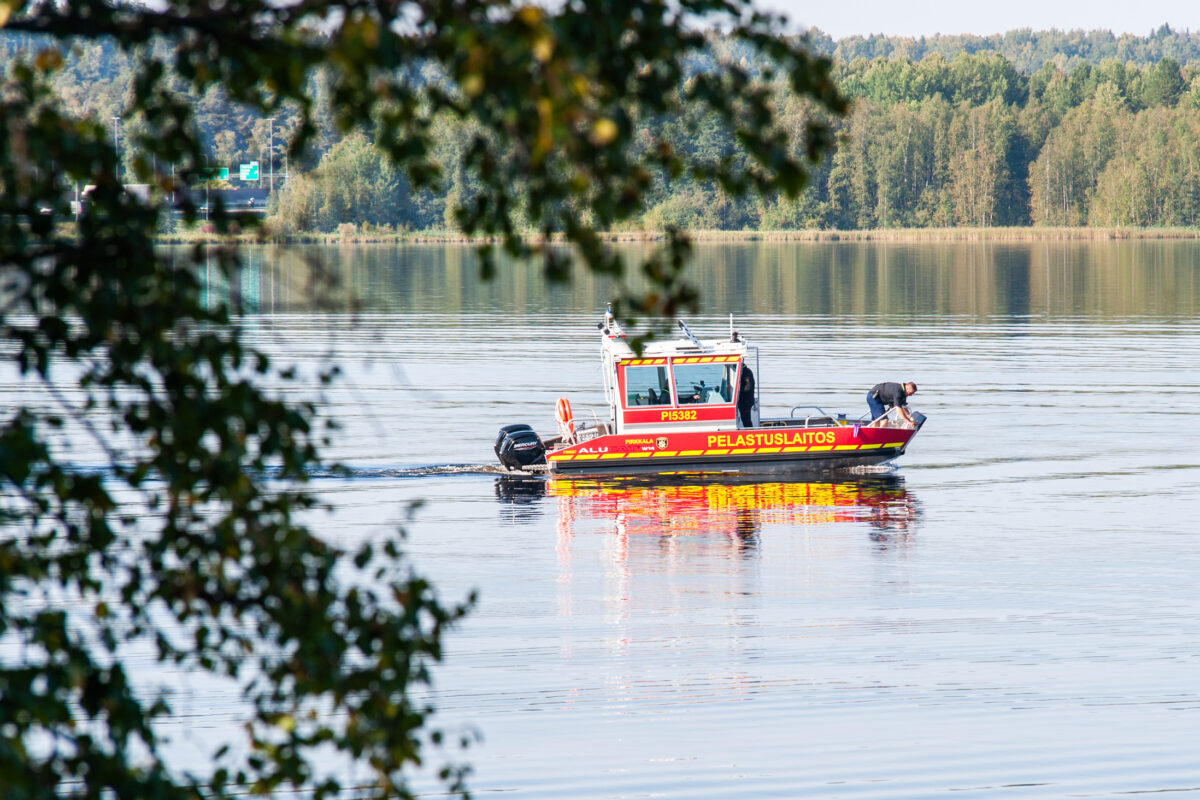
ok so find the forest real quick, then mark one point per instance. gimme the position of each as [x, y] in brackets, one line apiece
[1025, 128]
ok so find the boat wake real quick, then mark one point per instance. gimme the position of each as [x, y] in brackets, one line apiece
[871, 469]
[540, 471]
[364, 473]
[424, 471]
[341, 472]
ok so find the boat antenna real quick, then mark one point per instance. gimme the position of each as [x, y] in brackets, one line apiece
[688, 333]
[732, 332]
[610, 326]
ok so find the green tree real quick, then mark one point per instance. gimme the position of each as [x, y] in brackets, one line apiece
[354, 183]
[979, 78]
[183, 526]
[981, 185]
[1163, 84]
[1154, 177]
[852, 182]
[901, 156]
[1191, 99]
[1063, 178]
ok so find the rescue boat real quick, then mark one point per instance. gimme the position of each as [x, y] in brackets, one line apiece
[674, 407]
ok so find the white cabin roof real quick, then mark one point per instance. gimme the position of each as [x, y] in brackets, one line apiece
[619, 350]
[684, 347]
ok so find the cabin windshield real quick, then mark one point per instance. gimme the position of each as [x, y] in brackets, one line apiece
[705, 383]
[647, 386]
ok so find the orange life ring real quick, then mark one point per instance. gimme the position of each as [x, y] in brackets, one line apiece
[566, 421]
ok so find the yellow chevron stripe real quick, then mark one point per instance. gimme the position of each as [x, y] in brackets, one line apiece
[662, 453]
[741, 450]
[847, 447]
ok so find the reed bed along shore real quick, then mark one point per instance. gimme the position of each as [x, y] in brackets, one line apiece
[1020, 234]
[1015, 234]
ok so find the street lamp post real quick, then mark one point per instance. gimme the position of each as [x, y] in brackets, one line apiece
[117, 144]
[271, 152]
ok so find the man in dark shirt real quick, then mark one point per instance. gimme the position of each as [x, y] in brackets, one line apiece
[886, 395]
[745, 400]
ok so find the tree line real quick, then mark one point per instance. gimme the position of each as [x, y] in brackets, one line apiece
[941, 142]
[974, 142]
[1027, 49]
[944, 131]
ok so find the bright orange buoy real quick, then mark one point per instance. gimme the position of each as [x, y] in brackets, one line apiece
[566, 421]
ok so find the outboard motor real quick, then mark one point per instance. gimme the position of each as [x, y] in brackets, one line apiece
[506, 430]
[518, 446]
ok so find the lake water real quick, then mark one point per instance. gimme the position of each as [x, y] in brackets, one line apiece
[1012, 612]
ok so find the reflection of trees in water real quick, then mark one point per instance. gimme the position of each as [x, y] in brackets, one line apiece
[849, 278]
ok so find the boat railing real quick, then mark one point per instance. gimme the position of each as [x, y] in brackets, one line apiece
[890, 419]
[815, 408]
[591, 430]
[821, 419]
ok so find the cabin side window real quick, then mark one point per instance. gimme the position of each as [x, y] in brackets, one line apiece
[705, 384]
[647, 386]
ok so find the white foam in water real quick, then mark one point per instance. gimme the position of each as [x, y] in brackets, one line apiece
[872, 469]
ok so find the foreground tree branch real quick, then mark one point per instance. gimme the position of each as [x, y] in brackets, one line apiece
[209, 561]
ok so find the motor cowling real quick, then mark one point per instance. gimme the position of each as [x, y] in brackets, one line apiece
[518, 446]
[507, 429]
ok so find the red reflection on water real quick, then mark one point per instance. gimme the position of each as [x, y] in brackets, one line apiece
[700, 505]
[669, 543]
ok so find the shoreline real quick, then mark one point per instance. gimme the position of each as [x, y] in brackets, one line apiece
[884, 235]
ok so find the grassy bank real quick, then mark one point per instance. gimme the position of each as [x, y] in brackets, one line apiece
[1022, 234]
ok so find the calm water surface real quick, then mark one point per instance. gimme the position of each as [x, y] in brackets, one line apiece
[1013, 612]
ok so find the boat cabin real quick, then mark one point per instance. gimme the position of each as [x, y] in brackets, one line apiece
[686, 384]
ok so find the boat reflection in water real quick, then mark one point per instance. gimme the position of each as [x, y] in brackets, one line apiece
[695, 558]
[717, 508]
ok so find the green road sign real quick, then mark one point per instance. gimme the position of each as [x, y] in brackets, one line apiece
[248, 172]
[215, 173]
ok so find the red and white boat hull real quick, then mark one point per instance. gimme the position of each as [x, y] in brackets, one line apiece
[762, 450]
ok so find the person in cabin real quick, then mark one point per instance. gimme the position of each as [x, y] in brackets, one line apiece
[891, 395]
[745, 401]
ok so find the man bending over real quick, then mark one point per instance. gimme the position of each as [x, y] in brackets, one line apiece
[887, 395]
